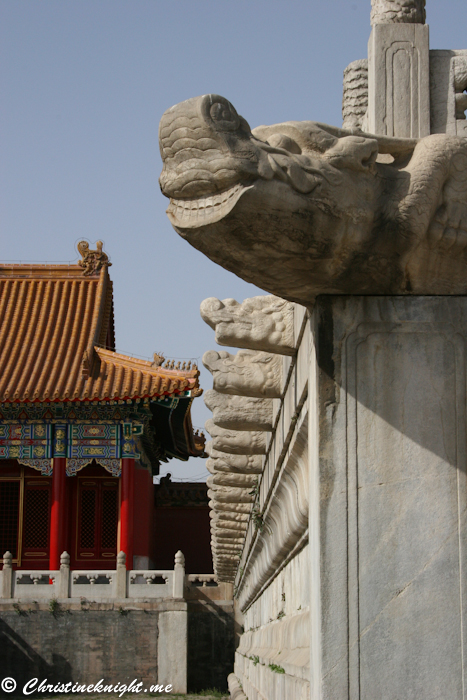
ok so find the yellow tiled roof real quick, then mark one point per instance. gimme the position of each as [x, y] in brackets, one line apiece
[55, 323]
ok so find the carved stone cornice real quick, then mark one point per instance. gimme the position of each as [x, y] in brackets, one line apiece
[248, 373]
[285, 521]
[258, 323]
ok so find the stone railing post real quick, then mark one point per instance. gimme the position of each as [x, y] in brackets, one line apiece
[7, 575]
[120, 576]
[179, 575]
[63, 577]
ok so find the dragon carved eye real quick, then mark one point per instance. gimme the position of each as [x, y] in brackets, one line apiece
[224, 116]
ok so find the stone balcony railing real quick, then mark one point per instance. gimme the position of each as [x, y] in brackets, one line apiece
[100, 585]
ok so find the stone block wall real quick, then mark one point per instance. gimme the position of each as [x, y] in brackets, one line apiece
[80, 645]
[211, 644]
[273, 657]
[189, 645]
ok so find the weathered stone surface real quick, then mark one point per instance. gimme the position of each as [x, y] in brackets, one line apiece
[248, 373]
[239, 464]
[239, 412]
[225, 479]
[229, 505]
[396, 11]
[73, 643]
[448, 80]
[241, 518]
[241, 527]
[391, 468]
[355, 95]
[399, 80]
[226, 536]
[230, 494]
[259, 323]
[241, 442]
[305, 209]
[460, 85]
[211, 645]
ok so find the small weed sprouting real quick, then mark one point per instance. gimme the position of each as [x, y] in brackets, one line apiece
[255, 660]
[280, 614]
[54, 606]
[19, 610]
[257, 519]
[283, 597]
[276, 669]
[255, 490]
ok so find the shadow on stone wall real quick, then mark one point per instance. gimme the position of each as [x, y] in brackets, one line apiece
[211, 644]
[20, 661]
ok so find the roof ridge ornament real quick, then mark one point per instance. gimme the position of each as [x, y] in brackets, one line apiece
[159, 359]
[92, 260]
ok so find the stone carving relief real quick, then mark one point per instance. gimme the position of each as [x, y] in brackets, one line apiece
[241, 402]
[303, 208]
[398, 11]
[225, 479]
[259, 323]
[241, 519]
[228, 506]
[239, 412]
[230, 494]
[286, 519]
[241, 464]
[355, 97]
[248, 373]
[231, 525]
[460, 85]
[240, 442]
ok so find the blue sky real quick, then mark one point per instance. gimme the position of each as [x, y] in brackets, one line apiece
[83, 85]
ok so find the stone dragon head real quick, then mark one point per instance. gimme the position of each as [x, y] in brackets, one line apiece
[302, 208]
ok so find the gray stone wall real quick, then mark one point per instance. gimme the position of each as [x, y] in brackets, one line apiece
[79, 645]
[84, 643]
[211, 645]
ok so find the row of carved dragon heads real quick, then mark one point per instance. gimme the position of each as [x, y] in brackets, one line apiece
[241, 402]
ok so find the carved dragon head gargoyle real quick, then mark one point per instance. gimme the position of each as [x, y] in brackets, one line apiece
[302, 208]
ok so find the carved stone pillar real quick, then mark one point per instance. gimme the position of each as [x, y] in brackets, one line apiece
[398, 70]
[388, 498]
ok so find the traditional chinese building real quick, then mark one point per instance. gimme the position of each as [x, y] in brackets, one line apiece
[83, 429]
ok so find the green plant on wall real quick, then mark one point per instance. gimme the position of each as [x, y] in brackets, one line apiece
[276, 669]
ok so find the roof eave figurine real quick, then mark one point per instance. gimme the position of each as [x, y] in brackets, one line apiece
[92, 260]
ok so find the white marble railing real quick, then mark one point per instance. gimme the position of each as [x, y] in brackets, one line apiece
[96, 584]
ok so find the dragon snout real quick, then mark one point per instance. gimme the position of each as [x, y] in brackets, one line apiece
[197, 141]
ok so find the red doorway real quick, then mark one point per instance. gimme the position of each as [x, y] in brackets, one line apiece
[95, 514]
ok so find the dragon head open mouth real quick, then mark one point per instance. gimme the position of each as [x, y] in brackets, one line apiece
[302, 208]
[201, 211]
[211, 157]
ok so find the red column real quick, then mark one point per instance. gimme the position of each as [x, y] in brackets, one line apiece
[126, 510]
[58, 521]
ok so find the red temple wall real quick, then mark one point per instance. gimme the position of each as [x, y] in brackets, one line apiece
[185, 528]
